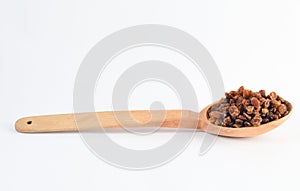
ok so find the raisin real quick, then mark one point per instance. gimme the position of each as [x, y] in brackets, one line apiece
[256, 120]
[240, 90]
[249, 109]
[239, 122]
[262, 93]
[286, 113]
[247, 93]
[282, 109]
[256, 94]
[244, 108]
[245, 102]
[242, 117]
[227, 122]
[231, 102]
[256, 111]
[273, 109]
[273, 95]
[255, 102]
[280, 99]
[266, 104]
[264, 110]
[288, 105]
[262, 100]
[233, 111]
[276, 103]
[247, 116]
[265, 120]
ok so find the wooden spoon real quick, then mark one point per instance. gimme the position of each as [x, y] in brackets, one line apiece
[140, 118]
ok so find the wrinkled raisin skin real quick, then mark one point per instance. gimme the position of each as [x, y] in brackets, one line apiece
[245, 108]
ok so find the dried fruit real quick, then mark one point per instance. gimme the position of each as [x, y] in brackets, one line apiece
[256, 120]
[247, 116]
[242, 117]
[282, 109]
[227, 122]
[244, 108]
[233, 111]
[264, 110]
[266, 103]
[255, 102]
[247, 93]
[245, 102]
[273, 95]
[239, 122]
[262, 93]
[249, 109]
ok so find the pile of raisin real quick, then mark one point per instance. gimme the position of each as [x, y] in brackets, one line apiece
[244, 108]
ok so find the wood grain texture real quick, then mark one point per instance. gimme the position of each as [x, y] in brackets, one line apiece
[139, 118]
[117, 119]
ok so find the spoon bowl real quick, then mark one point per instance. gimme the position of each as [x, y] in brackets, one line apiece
[205, 125]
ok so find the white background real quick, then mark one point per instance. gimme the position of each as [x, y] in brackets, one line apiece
[42, 43]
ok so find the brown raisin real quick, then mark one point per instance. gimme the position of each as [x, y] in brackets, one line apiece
[262, 101]
[250, 109]
[256, 94]
[245, 102]
[242, 117]
[280, 99]
[265, 120]
[247, 93]
[256, 120]
[244, 108]
[227, 122]
[264, 110]
[286, 113]
[282, 109]
[233, 111]
[288, 105]
[247, 116]
[240, 90]
[262, 93]
[275, 117]
[266, 104]
[273, 95]
[255, 102]
[239, 122]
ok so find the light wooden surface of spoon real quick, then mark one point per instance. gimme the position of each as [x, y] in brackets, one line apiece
[107, 119]
[139, 118]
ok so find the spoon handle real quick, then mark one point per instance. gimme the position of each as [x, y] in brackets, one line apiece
[109, 119]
